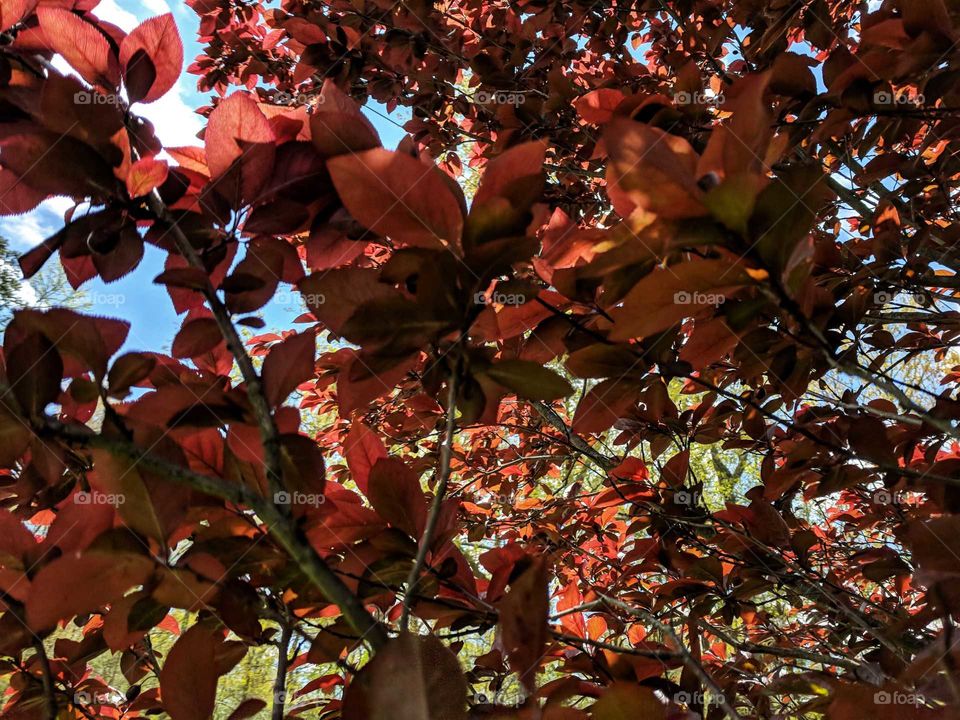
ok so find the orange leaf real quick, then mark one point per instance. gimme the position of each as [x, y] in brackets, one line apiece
[652, 170]
[398, 196]
[145, 175]
[72, 585]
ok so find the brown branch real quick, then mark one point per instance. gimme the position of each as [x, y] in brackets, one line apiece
[574, 441]
[692, 664]
[279, 525]
[46, 677]
[446, 453]
[283, 661]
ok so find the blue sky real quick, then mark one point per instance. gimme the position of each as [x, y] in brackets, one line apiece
[135, 298]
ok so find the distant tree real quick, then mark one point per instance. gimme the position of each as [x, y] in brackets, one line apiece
[46, 289]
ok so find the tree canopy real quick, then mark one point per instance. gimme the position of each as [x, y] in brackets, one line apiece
[658, 419]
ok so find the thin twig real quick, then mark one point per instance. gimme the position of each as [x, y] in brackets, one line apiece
[446, 453]
[46, 677]
[695, 667]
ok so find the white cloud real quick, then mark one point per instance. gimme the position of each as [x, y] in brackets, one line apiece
[25, 231]
[111, 12]
[175, 121]
[156, 7]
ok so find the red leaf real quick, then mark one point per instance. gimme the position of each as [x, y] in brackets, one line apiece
[652, 170]
[119, 477]
[247, 709]
[603, 405]
[197, 337]
[145, 175]
[13, 11]
[664, 297]
[72, 585]
[289, 363]
[395, 493]
[414, 677]
[597, 106]
[515, 165]
[337, 126]
[363, 449]
[523, 621]
[82, 45]
[345, 525]
[159, 41]
[676, 469]
[335, 295]
[238, 132]
[16, 541]
[188, 681]
[398, 196]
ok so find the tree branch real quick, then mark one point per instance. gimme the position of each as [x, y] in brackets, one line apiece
[280, 681]
[695, 667]
[446, 453]
[278, 524]
[46, 677]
